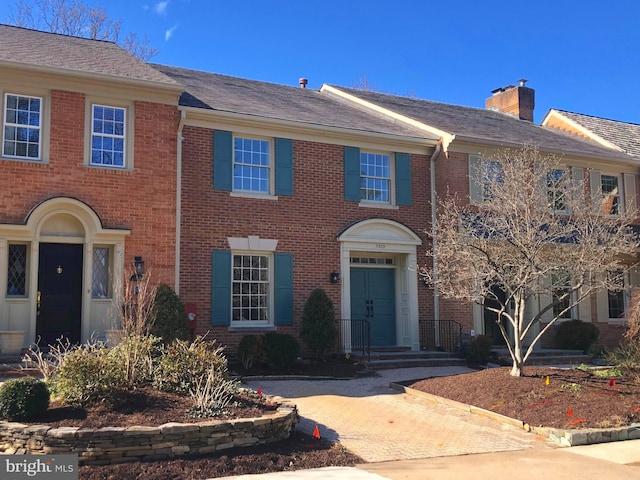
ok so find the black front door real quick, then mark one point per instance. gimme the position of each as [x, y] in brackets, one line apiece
[59, 293]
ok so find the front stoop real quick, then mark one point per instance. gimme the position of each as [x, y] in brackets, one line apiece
[398, 357]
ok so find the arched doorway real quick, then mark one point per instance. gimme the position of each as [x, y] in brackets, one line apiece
[378, 263]
[49, 268]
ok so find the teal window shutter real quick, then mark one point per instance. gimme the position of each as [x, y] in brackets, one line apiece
[284, 166]
[220, 287]
[352, 174]
[403, 179]
[222, 160]
[283, 288]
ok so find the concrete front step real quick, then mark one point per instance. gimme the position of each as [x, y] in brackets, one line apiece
[401, 358]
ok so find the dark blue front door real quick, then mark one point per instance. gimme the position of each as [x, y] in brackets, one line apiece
[373, 299]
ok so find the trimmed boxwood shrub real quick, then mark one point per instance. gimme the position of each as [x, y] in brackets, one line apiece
[251, 351]
[23, 399]
[281, 349]
[576, 335]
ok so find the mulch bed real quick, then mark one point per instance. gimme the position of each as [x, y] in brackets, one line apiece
[572, 398]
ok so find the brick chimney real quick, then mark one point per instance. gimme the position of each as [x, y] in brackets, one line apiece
[517, 101]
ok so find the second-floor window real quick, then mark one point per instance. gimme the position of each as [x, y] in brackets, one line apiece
[375, 171]
[108, 136]
[251, 165]
[22, 127]
[556, 190]
[611, 194]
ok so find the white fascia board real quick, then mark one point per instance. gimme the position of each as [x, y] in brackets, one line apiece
[583, 130]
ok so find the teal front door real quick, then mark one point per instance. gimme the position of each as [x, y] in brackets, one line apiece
[373, 299]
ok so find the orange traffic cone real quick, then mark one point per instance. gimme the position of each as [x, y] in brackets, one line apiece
[316, 433]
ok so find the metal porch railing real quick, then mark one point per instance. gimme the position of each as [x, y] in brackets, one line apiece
[440, 335]
[354, 335]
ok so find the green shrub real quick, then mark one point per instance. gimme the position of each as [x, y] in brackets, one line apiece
[23, 398]
[170, 320]
[282, 350]
[251, 351]
[576, 335]
[479, 350]
[183, 363]
[626, 357]
[319, 329]
[134, 357]
[88, 373]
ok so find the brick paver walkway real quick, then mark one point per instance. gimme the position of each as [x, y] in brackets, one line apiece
[380, 424]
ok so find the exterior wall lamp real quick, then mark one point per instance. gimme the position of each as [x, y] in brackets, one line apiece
[138, 267]
[334, 277]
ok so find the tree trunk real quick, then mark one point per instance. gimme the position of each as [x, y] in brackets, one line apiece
[518, 366]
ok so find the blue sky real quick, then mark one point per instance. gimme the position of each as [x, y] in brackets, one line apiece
[578, 56]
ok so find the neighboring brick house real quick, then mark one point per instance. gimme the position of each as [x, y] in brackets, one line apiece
[285, 190]
[87, 180]
[470, 135]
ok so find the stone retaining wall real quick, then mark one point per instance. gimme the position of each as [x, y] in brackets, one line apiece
[123, 444]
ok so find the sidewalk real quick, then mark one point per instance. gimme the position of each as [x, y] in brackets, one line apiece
[406, 438]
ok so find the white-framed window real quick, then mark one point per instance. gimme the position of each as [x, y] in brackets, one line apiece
[101, 273]
[556, 189]
[251, 289]
[611, 186]
[17, 261]
[22, 127]
[108, 136]
[491, 175]
[375, 177]
[617, 299]
[252, 165]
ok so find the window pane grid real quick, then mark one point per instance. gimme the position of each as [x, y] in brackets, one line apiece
[611, 194]
[100, 278]
[22, 126]
[250, 288]
[561, 286]
[556, 189]
[108, 127]
[251, 159]
[17, 271]
[375, 177]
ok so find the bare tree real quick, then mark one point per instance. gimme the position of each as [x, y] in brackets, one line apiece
[364, 83]
[535, 246]
[74, 18]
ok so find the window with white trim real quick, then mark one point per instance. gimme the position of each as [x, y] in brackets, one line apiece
[101, 273]
[251, 289]
[556, 190]
[108, 136]
[616, 299]
[252, 165]
[17, 270]
[375, 177]
[22, 127]
[611, 193]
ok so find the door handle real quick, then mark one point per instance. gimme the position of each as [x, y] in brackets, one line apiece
[371, 308]
[38, 303]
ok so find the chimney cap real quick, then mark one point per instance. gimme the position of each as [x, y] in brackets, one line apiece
[522, 82]
[303, 82]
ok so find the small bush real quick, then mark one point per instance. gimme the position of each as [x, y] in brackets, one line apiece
[251, 351]
[319, 329]
[23, 398]
[211, 393]
[88, 373]
[576, 335]
[170, 320]
[134, 357]
[626, 357]
[479, 350]
[183, 363]
[282, 350]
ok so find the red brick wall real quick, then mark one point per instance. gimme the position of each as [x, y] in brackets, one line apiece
[305, 224]
[143, 200]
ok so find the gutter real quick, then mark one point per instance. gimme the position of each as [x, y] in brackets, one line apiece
[183, 116]
[434, 242]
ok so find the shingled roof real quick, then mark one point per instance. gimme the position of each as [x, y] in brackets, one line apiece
[223, 93]
[625, 136]
[485, 126]
[42, 50]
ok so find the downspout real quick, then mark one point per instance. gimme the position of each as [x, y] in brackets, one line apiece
[434, 243]
[183, 116]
